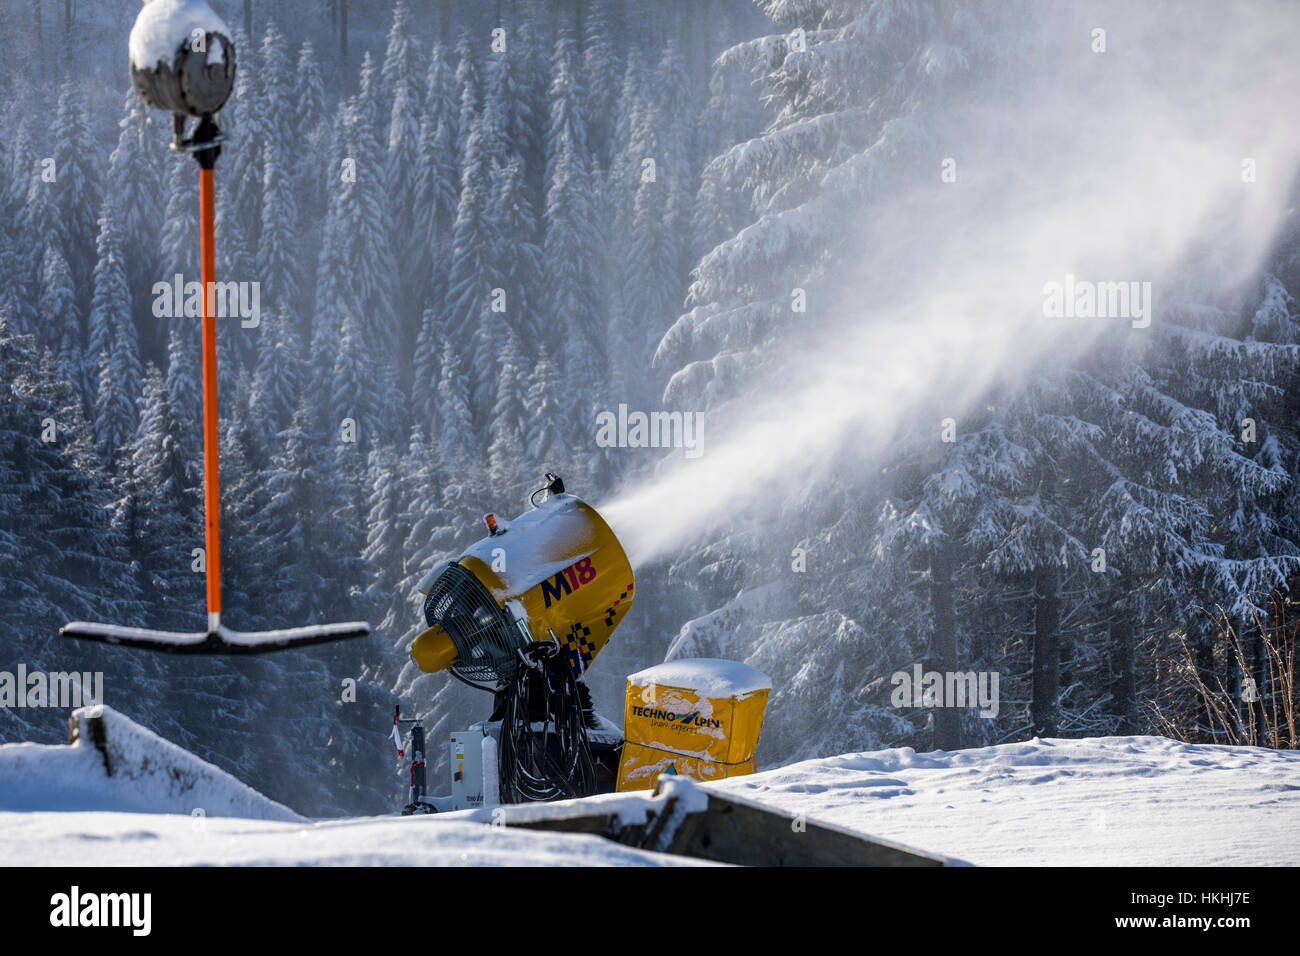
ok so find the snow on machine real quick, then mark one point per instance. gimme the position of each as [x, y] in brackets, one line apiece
[556, 574]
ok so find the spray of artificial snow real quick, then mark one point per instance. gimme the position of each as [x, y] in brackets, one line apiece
[1114, 169]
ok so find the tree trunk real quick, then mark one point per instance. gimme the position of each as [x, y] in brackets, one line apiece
[943, 645]
[1253, 679]
[700, 40]
[1203, 637]
[1124, 680]
[343, 30]
[1047, 652]
[40, 38]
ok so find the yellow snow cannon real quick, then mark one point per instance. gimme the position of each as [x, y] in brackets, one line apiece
[554, 574]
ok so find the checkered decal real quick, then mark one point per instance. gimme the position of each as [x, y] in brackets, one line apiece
[578, 648]
[613, 609]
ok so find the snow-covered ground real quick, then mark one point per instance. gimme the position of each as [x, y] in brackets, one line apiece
[131, 839]
[162, 805]
[1145, 801]
[149, 775]
[1125, 800]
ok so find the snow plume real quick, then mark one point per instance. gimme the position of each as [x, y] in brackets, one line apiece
[1025, 155]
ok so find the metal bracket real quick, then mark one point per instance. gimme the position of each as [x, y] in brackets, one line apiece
[539, 651]
[205, 144]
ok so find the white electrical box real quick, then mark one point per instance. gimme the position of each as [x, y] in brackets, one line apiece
[466, 759]
[473, 757]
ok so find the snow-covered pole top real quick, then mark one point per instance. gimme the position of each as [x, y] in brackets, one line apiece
[164, 26]
[182, 59]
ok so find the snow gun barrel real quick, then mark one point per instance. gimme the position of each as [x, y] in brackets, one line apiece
[556, 573]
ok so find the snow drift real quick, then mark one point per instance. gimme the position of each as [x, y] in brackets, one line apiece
[1102, 801]
[1141, 801]
[115, 764]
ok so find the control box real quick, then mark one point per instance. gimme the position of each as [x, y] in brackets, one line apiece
[466, 759]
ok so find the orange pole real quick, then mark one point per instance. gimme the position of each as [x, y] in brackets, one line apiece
[211, 492]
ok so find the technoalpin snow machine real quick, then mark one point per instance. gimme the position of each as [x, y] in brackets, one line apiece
[523, 613]
[556, 574]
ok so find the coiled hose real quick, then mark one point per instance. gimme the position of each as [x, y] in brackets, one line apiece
[544, 753]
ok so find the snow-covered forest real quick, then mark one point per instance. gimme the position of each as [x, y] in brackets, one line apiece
[824, 225]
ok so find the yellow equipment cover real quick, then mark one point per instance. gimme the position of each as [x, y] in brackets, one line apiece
[701, 718]
[558, 567]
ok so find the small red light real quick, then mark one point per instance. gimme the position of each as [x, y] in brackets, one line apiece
[491, 521]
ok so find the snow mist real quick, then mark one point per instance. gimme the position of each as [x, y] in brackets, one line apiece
[1032, 204]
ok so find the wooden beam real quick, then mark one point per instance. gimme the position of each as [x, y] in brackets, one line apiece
[746, 834]
[732, 830]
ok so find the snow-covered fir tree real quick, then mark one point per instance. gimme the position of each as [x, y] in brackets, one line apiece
[381, 200]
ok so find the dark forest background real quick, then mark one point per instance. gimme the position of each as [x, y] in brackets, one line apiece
[525, 171]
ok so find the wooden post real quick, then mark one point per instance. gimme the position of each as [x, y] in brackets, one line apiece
[1047, 661]
[943, 644]
[1123, 666]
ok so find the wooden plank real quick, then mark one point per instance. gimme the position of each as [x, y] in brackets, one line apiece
[741, 833]
[737, 831]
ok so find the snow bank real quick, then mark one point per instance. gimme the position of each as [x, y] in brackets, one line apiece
[463, 838]
[1102, 801]
[119, 839]
[1134, 801]
[125, 797]
[708, 676]
[165, 25]
[115, 764]
[628, 809]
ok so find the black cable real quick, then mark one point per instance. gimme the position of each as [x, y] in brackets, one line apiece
[555, 762]
[554, 485]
